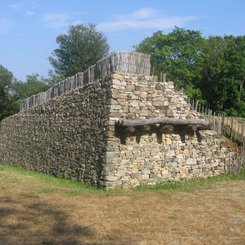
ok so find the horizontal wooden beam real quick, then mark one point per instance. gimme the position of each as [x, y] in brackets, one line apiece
[163, 120]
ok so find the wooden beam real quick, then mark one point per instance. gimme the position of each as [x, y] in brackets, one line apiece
[163, 120]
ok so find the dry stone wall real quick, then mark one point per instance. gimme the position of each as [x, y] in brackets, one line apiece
[133, 62]
[72, 130]
[146, 155]
[65, 137]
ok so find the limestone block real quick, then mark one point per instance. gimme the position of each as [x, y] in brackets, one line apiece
[191, 161]
[117, 76]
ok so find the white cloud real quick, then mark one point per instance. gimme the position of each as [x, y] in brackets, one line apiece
[15, 6]
[146, 18]
[56, 20]
[30, 13]
[143, 13]
[5, 25]
[61, 20]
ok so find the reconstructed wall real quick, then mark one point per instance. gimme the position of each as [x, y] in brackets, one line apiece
[63, 131]
[72, 130]
[65, 137]
[151, 156]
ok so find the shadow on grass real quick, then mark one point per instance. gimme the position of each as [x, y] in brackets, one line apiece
[27, 221]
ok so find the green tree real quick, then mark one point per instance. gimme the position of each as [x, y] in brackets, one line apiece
[80, 48]
[211, 70]
[179, 54]
[8, 102]
[33, 84]
[224, 73]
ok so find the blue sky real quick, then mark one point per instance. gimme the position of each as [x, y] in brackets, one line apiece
[28, 28]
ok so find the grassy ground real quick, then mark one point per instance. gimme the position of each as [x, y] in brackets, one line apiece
[40, 209]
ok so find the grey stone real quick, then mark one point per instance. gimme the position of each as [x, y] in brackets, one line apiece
[173, 146]
[191, 161]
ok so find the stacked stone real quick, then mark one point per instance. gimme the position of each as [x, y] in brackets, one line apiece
[141, 97]
[77, 136]
[65, 137]
[147, 156]
[133, 62]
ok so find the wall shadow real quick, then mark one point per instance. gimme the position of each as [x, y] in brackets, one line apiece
[183, 131]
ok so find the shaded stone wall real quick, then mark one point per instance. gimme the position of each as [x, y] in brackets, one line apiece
[65, 137]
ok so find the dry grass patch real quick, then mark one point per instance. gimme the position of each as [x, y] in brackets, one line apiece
[36, 209]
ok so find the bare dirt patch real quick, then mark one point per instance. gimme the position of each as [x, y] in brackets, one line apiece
[34, 211]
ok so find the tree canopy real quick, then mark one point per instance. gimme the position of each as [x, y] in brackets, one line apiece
[13, 91]
[211, 70]
[33, 84]
[80, 48]
[223, 74]
[8, 103]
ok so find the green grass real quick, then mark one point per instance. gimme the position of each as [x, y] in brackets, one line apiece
[53, 184]
[194, 184]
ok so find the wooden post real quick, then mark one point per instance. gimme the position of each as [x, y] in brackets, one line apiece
[219, 124]
[196, 106]
[235, 128]
[243, 131]
[231, 128]
[239, 130]
[153, 71]
[200, 109]
[243, 145]
[222, 123]
[210, 115]
[214, 121]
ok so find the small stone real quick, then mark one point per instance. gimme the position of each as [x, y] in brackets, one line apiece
[173, 146]
[191, 161]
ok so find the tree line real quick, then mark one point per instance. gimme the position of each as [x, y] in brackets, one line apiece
[210, 70]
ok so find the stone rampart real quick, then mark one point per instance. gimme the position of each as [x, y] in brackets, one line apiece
[134, 63]
[73, 129]
[152, 154]
[65, 137]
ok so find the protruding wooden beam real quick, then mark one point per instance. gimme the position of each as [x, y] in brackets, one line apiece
[163, 120]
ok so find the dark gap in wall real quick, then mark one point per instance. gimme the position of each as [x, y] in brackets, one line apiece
[138, 135]
[198, 135]
[122, 133]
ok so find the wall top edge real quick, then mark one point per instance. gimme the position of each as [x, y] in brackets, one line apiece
[123, 62]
